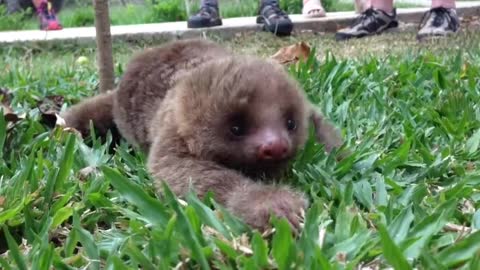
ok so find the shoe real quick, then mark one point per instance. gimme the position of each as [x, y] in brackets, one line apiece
[438, 22]
[371, 22]
[208, 16]
[274, 19]
[47, 17]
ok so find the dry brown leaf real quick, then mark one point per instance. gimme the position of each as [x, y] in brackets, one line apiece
[341, 257]
[2, 201]
[470, 166]
[9, 115]
[5, 97]
[50, 108]
[321, 236]
[268, 232]
[292, 53]
[85, 172]
[182, 202]
[451, 227]
[372, 265]
[467, 207]
[72, 130]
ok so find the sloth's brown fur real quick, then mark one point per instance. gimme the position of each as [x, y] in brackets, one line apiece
[178, 103]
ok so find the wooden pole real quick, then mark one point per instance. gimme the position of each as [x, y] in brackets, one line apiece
[104, 45]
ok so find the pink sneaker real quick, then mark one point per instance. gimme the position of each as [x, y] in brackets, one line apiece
[46, 15]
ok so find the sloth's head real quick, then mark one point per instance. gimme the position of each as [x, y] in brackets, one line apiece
[244, 113]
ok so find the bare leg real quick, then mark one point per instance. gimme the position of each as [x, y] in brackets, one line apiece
[37, 3]
[443, 3]
[362, 5]
[385, 5]
[46, 15]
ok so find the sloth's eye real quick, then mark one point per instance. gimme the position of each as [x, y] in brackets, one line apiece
[237, 124]
[237, 130]
[291, 125]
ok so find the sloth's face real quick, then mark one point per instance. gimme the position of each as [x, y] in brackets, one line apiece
[260, 135]
[247, 115]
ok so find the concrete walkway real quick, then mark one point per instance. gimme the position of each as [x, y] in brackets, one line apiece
[230, 27]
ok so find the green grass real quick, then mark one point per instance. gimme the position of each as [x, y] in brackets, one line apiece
[82, 14]
[410, 116]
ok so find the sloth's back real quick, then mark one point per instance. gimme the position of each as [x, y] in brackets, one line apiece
[147, 79]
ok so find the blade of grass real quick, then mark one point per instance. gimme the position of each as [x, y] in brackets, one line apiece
[463, 250]
[392, 253]
[151, 208]
[66, 162]
[207, 215]
[186, 229]
[3, 132]
[14, 250]
[282, 244]
[88, 243]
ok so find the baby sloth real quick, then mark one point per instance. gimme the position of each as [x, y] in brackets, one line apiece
[213, 121]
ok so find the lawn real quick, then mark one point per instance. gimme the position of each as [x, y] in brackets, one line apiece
[406, 197]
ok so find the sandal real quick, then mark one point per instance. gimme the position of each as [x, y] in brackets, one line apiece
[313, 9]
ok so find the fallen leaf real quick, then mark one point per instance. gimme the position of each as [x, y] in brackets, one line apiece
[341, 257]
[72, 130]
[51, 104]
[5, 97]
[50, 108]
[85, 172]
[470, 166]
[451, 227]
[292, 53]
[2, 201]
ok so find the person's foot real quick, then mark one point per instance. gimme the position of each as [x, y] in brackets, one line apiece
[313, 9]
[438, 22]
[370, 22]
[208, 16]
[274, 19]
[47, 17]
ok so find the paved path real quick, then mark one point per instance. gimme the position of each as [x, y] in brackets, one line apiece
[230, 27]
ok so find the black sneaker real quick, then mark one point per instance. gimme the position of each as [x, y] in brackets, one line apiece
[274, 19]
[370, 22]
[438, 22]
[208, 16]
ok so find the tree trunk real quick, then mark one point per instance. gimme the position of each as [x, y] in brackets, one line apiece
[104, 45]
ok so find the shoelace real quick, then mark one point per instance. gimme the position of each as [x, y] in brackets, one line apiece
[366, 16]
[207, 10]
[441, 12]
